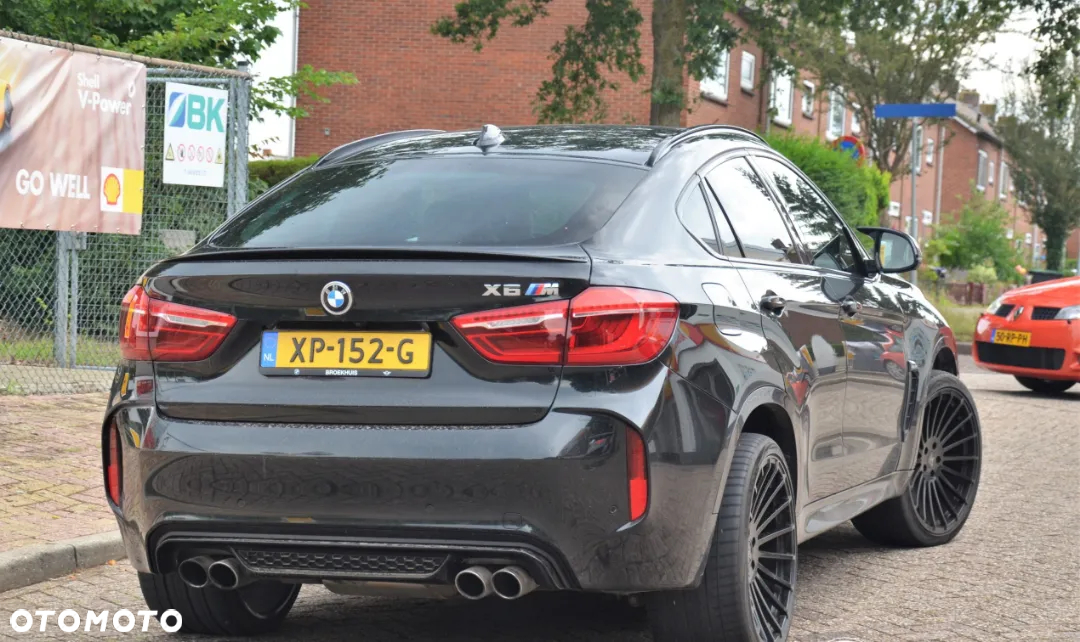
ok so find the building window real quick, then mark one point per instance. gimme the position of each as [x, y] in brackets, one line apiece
[749, 69]
[856, 126]
[990, 173]
[1003, 183]
[715, 86]
[927, 217]
[980, 176]
[808, 99]
[1027, 239]
[1009, 233]
[929, 151]
[782, 96]
[894, 209]
[837, 114]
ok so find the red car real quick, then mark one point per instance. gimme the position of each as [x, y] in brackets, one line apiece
[1033, 333]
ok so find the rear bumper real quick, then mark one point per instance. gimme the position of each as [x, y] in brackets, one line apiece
[1054, 352]
[552, 494]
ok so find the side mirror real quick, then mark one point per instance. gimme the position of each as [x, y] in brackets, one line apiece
[893, 251]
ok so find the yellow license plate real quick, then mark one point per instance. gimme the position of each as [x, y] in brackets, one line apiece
[345, 354]
[1012, 338]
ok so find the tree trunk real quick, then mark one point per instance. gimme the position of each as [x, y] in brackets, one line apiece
[1055, 248]
[669, 37]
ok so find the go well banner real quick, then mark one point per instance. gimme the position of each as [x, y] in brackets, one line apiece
[72, 131]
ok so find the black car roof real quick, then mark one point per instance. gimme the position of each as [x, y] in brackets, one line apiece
[633, 144]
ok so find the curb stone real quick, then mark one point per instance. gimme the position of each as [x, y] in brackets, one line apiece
[963, 347]
[32, 564]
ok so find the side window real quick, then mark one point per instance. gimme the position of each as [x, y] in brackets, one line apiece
[815, 222]
[694, 213]
[745, 200]
[728, 240]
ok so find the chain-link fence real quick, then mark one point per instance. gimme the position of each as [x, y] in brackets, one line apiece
[60, 292]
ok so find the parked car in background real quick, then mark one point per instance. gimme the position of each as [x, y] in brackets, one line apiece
[1033, 333]
[629, 360]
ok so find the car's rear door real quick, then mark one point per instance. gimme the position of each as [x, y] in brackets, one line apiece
[799, 320]
[872, 321]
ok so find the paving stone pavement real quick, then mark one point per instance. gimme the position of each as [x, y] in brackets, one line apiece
[1013, 574]
[50, 469]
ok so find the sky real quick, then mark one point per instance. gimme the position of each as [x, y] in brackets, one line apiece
[1010, 50]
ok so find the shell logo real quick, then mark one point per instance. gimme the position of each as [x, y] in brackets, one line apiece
[111, 189]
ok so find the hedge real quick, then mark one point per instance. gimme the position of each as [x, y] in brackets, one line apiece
[859, 191]
[272, 172]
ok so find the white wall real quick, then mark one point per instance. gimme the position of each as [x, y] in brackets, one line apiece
[277, 60]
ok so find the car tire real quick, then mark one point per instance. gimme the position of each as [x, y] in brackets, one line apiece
[937, 501]
[1046, 386]
[254, 609]
[728, 603]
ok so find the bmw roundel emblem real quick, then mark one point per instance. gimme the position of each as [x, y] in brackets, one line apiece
[336, 297]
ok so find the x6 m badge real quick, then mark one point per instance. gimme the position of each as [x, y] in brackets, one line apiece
[514, 289]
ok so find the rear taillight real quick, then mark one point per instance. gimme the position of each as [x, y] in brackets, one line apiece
[635, 473]
[528, 334]
[113, 464]
[602, 326]
[619, 326]
[163, 331]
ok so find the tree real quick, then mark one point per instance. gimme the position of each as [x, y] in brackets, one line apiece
[689, 36]
[1041, 130]
[202, 32]
[975, 239]
[1058, 31]
[895, 51]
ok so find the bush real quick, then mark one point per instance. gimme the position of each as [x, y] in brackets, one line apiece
[272, 172]
[983, 273]
[859, 191]
[976, 240]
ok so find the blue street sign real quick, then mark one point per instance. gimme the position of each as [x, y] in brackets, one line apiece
[916, 110]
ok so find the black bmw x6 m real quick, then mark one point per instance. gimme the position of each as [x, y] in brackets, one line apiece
[631, 360]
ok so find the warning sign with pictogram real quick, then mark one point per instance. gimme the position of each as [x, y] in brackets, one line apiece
[219, 159]
[169, 154]
[196, 119]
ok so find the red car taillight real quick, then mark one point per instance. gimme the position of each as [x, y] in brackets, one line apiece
[163, 331]
[113, 464]
[528, 334]
[619, 326]
[602, 326]
[635, 472]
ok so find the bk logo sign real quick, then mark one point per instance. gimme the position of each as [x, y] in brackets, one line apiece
[195, 111]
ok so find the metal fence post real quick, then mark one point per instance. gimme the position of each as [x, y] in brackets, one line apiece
[60, 302]
[243, 104]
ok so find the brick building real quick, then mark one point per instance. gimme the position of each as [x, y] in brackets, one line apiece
[409, 78]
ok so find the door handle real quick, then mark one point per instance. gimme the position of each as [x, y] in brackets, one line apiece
[851, 307]
[773, 303]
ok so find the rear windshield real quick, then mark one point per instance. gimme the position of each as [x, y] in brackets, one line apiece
[435, 202]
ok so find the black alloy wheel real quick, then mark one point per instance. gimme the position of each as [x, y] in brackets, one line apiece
[944, 478]
[772, 549]
[747, 593]
[947, 468]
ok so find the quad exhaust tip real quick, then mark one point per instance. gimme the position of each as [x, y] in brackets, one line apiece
[193, 571]
[474, 583]
[227, 574]
[512, 582]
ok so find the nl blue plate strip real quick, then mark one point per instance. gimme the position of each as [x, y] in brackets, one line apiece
[269, 350]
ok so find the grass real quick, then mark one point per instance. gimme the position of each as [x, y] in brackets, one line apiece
[38, 351]
[961, 318]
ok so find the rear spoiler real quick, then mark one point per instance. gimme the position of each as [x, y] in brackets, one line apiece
[572, 253]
